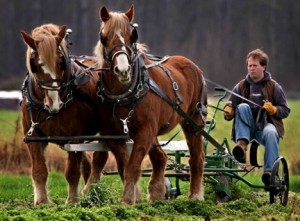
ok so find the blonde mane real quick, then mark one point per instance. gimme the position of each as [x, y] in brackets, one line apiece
[46, 47]
[118, 22]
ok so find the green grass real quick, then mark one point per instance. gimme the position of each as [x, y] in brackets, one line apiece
[15, 187]
[19, 187]
[10, 122]
[16, 203]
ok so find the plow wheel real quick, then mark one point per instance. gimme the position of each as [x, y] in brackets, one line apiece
[279, 182]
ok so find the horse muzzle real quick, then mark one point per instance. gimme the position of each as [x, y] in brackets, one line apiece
[54, 108]
[123, 76]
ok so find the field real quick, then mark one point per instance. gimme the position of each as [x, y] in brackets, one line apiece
[16, 192]
[102, 203]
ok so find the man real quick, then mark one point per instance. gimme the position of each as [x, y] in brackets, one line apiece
[262, 118]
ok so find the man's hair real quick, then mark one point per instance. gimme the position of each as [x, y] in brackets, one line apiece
[260, 55]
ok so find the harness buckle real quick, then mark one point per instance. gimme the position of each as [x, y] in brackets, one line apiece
[33, 125]
[175, 86]
[202, 111]
[139, 90]
[125, 126]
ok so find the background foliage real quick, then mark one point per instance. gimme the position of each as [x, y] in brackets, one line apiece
[215, 34]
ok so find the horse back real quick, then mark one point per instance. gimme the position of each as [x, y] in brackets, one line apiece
[187, 75]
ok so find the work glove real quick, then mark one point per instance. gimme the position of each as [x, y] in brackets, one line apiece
[268, 106]
[228, 111]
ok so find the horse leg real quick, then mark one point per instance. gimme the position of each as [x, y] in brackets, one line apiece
[72, 174]
[196, 162]
[98, 162]
[132, 171]
[157, 186]
[85, 167]
[39, 172]
[122, 154]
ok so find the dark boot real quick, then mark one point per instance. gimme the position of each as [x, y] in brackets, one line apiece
[239, 151]
[266, 178]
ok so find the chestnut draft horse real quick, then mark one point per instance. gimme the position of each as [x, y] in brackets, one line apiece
[58, 101]
[146, 96]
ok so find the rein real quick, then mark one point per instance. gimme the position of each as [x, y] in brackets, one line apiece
[233, 93]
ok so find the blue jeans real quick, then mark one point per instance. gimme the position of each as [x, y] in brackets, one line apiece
[245, 128]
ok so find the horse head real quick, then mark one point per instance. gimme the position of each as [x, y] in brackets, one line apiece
[117, 38]
[47, 61]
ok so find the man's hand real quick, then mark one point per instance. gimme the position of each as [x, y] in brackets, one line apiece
[228, 111]
[268, 106]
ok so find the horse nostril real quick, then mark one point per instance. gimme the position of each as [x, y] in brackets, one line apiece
[129, 69]
[61, 105]
[47, 107]
[116, 70]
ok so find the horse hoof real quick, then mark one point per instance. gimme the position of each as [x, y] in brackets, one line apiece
[126, 203]
[196, 197]
[72, 200]
[85, 191]
[41, 201]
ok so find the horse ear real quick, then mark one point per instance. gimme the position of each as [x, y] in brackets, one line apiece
[130, 14]
[61, 34]
[28, 40]
[104, 14]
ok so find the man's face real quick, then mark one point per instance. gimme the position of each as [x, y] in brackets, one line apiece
[255, 70]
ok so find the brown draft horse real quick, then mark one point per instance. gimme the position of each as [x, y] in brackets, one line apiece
[142, 95]
[58, 101]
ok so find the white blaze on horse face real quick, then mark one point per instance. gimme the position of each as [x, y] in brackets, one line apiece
[123, 65]
[53, 106]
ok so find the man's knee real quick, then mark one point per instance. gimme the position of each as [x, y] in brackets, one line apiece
[244, 107]
[270, 132]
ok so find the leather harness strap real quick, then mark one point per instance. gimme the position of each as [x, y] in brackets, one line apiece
[157, 90]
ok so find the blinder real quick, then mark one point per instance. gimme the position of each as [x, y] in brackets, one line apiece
[134, 34]
[32, 64]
